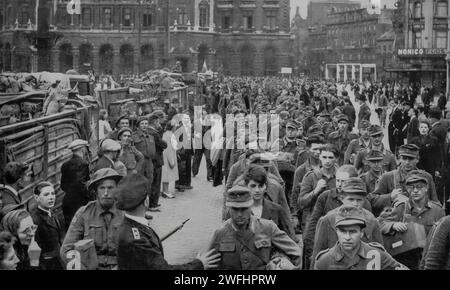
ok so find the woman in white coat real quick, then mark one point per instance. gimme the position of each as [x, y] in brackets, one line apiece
[170, 167]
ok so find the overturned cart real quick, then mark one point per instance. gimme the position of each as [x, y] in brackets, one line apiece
[42, 141]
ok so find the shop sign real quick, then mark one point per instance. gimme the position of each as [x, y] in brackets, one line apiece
[421, 52]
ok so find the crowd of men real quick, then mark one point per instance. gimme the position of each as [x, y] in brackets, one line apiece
[320, 196]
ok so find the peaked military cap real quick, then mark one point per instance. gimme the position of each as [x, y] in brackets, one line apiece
[354, 185]
[349, 215]
[239, 197]
[375, 155]
[375, 130]
[416, 176]
[409, 150]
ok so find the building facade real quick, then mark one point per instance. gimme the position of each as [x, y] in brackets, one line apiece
[352, 43]
[243, 37]
[422, 42]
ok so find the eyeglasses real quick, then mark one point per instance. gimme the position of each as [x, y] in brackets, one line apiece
[416, 186]
[29, 231]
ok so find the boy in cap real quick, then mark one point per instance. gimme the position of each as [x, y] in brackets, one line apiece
[357, 144]
[350, 252]
[97, 220]
[376, 135]
[74, 177]
[139, 247]
[247, 242]
[375, 163]
[418, 209]
[353, 193]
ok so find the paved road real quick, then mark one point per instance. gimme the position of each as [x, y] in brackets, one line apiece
[203, 205]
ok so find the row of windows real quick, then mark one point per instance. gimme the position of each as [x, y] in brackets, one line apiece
[439, 39]
[440, 9]
[349, 30]
[248, 20]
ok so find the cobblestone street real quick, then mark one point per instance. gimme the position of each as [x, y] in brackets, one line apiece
[203, 205]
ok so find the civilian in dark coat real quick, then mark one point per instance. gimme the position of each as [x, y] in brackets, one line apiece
[413, 126]
[155, 129]
[349, 110]
[430, 152]
[74, 176]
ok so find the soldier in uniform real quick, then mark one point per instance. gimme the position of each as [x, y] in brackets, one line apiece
[316, 182]
[145, 143]
[122, 122]
[247, 242]
[356, 145]
[139, 247]
[418, 209]
[350, 252]
[132, 158]
[364, 110]
[98, 220]
[374, 161]
[341, 138]
[353, 193]
[325, 124]
[394, 181]
[74, 178]
[389, 162]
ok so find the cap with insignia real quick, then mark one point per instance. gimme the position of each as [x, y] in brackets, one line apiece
[375, 155]
[375, 130]
[342, 117]
[110, 145]
[263, 159]
[131, 192]
[416, 176]
[102, 174]
[78, 143]
[409, 150]
[348, 215]
[239, 197]
[354, 185]
[292, 124]
[364, 124]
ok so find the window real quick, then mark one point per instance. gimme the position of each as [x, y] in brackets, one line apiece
[441, 39]
[417, 9]
[248, 21]
[24, 16]
[226, 22]
[86, 14]
[126, 17]
[271, 18]
[107, 17]
[182, 16]
[441, 8]
[147, 18]
[418, 39]
[204, 15]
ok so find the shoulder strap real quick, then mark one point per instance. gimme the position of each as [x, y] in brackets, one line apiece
[245, 244]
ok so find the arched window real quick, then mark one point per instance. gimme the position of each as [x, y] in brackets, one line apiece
[417, 9]
[204, 13]
[24, 15]
[106, 59]
[441, 9]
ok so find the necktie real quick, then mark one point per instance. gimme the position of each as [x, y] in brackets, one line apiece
[107, 217]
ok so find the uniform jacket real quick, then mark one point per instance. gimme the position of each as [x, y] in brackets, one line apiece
[49, 234]
[326, 235]
[371, 180]
[140, 248]
[253, 248]
[371, 256]
[89, 222]
[353, 148]
[389, 162]
[438, 254]
[145, 143]
[104, 162]
[132, 158]
[341, 141]
[306, 199]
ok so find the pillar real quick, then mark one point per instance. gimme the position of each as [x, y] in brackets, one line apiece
[76, 58]
[353, 72]
[211, 15]
[338, 75]
[345, 72]
[326, 71]
[196, 14]
[360, 73]
[116, 62]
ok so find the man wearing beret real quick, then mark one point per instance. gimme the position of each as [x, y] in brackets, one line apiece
[350, 252]
[139, 247]
[389, 163]
[98, 220]
[247, 242]
[122, 121]
[418, 209]
[341, 138]
[353, 193]
[155, 130]
[357, 144]
[393, 182]
[145, 143]
[74, 178]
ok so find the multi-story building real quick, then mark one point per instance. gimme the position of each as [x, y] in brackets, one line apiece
[299, 35]
[351, 48]
[239, 37]
[318, 10]
[422, 42]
